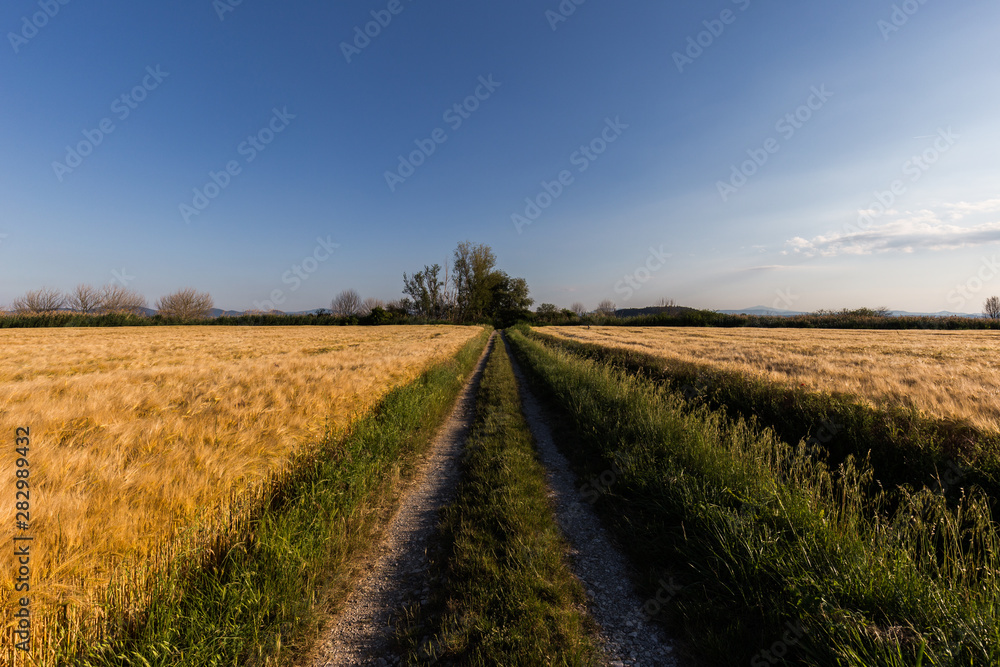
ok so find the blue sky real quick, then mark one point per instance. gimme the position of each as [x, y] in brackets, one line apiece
[723, 154]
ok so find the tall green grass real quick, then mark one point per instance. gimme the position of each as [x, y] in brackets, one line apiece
[508, 597]
[258, 594]
[782, 560]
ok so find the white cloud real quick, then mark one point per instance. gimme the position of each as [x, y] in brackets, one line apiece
[919, 230]
[963, 209]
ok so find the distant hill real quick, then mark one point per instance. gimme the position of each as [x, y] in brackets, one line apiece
[216, 312]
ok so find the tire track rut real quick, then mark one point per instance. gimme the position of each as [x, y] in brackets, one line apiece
[627, 636]
[363, 631]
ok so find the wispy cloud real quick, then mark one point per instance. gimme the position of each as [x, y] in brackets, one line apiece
[919, 230]
[964, 209]
[762, 269]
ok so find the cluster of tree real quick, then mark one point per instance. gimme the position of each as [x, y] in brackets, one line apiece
[185, 304]
[881, 311]
[549, 313]
[85, 299]
[475, 290]
[349, 304]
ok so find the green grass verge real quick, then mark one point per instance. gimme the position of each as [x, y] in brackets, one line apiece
[508, 597]
[258, 597]
[904, 446]
[777, 559]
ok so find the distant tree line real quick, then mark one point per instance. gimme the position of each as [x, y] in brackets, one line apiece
[471, 290]
[113, 303]
[185, 304]
[668, 313]
[861, 318]
[85, 299]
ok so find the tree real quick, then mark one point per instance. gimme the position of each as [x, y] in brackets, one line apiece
[547, 309]
[39, 301]
[547, 312]
[474, 280]
[607, 308]
[84, 299]
[186, 304]
[509, 300]
[346, 304]
[370, 304]
[378, 315]
[428, 292]
[118, 299]
[480, 291]
[399, 307]
[991, 308]
[579, 309]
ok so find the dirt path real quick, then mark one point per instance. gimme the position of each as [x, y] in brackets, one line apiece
[627, 636]
[362, 632]
[398, 568]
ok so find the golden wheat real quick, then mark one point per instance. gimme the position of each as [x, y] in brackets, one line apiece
[949, 374]
[138, 433]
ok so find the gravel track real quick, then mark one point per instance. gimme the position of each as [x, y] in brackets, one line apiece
[397, 572]
[626, 635]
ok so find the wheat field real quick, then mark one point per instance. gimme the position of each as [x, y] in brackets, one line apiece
[946, 374]
[140, 433]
